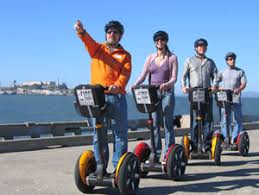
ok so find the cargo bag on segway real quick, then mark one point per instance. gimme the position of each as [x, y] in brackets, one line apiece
[146, 98]
[198, 97]
[224, 98]
[90, 100]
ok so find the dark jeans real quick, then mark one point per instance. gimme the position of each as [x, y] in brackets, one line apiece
[207, 123]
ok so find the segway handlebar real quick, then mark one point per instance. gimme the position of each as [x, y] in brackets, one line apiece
[146, 97]
[191, 89]
[90, 100]
[224, 97]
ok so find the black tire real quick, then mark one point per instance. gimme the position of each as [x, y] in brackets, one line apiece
[217, 157]
[243, 144]
[89, 168]
[129, 175]
[143, 156]
[176, 163]
[185, 142]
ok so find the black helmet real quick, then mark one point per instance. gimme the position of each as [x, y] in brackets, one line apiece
[200, 41]
[230, 54]
[114, 24]
[162, 34]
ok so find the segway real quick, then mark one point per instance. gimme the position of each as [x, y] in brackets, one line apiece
[224, 99]
[90, 102]
[199, 98]
[147, 101]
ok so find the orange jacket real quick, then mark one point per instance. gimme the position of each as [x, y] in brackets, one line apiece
[107, 68]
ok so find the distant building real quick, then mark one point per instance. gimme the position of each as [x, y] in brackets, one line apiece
[31, 83]
[37, 87]
[39, 84]
[50, 83]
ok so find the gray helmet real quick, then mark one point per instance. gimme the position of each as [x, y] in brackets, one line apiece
[200, 41]
[114, 24]
[230, 54]
[162, 34]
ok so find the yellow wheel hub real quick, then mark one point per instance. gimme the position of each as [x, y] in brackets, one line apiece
[186, 144]
[84, 164]
[119, 165]
[213, 146]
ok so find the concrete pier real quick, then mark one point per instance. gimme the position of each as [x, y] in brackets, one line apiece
[50, 172]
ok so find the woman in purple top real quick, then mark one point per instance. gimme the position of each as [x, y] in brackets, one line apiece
[162, 68]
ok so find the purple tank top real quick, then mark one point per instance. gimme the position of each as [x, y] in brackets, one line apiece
[159, 74]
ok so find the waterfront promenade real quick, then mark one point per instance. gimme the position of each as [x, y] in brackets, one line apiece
[50, 172]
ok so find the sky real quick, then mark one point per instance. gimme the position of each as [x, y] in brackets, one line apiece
[38, 41]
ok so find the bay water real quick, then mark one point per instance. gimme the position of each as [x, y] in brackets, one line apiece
[36, 108]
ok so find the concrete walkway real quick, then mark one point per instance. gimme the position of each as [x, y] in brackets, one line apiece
[50, 172]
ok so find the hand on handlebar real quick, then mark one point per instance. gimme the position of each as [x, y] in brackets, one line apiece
[113, 89]
[133, 86]
[236, 91]
[164, 87]
[185, 90]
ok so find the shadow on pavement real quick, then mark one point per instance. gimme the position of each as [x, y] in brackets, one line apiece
[106, 190]
[250, 154]
[203, 176]
[234, 173]
[223, 163]
[205, 187]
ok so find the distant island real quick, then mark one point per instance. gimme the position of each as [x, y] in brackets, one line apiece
[36, 88]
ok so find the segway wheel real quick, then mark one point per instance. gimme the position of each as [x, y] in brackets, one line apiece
[186, 146]
[216, 149]
[142, 151]
[243, 144]
[175, 162]
[85, 165]
[127, 174]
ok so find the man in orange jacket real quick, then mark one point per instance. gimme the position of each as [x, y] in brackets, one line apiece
[110, 67]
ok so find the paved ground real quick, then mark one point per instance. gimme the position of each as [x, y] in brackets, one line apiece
[50, 172]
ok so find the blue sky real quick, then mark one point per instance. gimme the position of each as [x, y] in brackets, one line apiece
[38, 42]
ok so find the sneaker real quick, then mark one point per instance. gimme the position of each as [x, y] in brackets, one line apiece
[105, 174]
[206, 148]
[112, 175]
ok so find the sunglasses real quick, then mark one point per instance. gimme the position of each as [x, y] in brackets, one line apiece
[230, 59]
[112, 31]
[160, 39]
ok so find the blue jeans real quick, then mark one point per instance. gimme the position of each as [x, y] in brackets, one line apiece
[238, 127]
[164, 115]
[116, 118]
